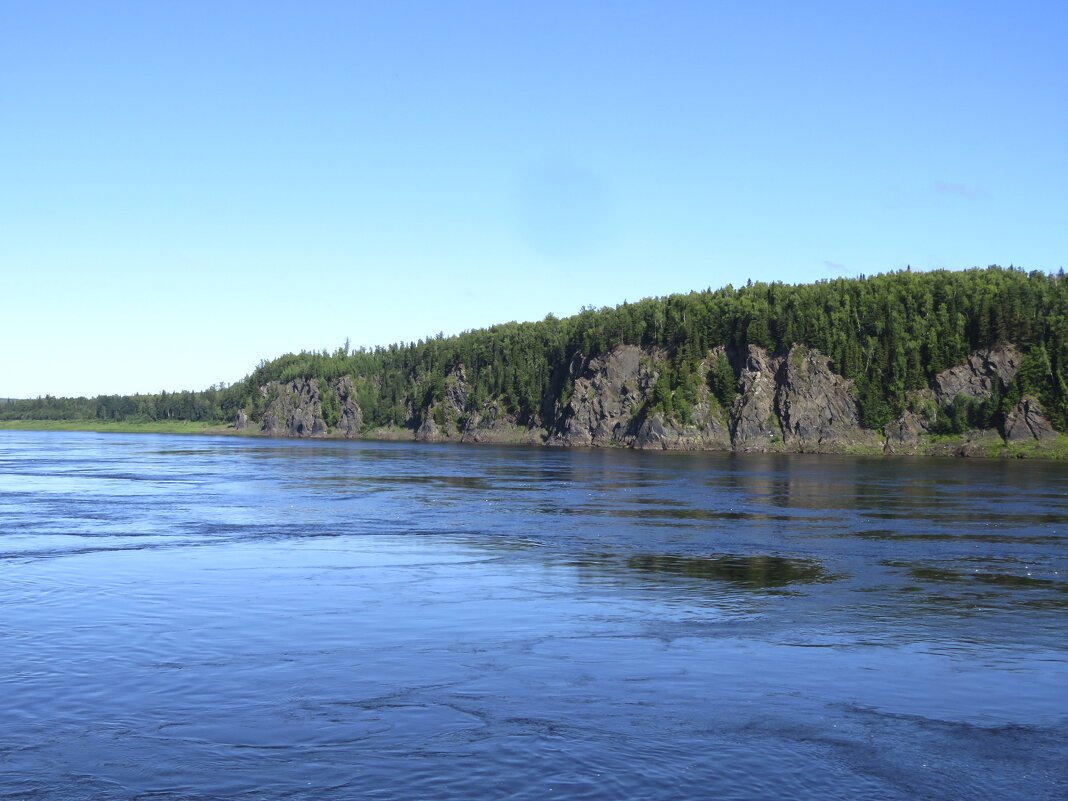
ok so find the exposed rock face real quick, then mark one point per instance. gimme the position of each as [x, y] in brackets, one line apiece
[792, 402]
[817, 408]
[351, 417]
[708, 432]
[293, 409]
[795, 403]
[442, 420]
[428, 431]
[1027, 422]
[492, 423]
[452, 419]
[607, 400]
[754, 425]
[904, 434]
[242, 421]
[607, 394]
[456, 390]
[975, 378]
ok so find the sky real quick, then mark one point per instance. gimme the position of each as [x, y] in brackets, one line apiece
[187, 188]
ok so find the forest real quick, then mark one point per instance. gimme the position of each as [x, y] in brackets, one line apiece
[889, 333]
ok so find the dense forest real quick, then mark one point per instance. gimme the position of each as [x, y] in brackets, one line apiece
[889, 333]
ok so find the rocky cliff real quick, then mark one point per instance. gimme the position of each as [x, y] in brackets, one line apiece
[790, 401]
[296, 409]
[976, 380]
[455, 418]
[1027, 422]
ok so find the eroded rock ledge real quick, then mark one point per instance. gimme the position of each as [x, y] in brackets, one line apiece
[784, 402]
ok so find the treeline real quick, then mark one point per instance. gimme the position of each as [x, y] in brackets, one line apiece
[889, 333]
[211, 405]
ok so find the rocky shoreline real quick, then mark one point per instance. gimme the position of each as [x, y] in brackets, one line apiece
[788, 402]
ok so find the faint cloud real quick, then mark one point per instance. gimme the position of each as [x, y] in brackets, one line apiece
[834, 266]
[960, 190]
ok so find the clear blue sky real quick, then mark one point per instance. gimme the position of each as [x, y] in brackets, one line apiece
[189, 187]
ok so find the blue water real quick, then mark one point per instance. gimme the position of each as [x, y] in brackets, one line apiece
[201, 618]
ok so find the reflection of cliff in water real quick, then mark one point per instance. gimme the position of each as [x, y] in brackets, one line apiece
[1020, 577]
[1002, 584]
[754, 572]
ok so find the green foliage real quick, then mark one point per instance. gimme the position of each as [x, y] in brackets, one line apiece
[962, 415]
[889, 333]
[722, 381]
[330, 404]
[875, 410]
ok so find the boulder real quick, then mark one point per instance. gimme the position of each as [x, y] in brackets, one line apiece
[1026, 422]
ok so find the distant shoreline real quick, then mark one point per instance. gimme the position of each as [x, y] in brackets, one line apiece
[943, 447]
[104, 426]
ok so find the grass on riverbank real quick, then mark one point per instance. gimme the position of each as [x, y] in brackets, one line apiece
[125, 427]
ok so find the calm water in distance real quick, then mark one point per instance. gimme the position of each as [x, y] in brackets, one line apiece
[202, 618]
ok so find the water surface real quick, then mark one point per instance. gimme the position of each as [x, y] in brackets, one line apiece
[200, 618]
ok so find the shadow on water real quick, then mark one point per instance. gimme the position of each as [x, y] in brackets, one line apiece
[751, 572]
[1019, 579]
[1011, 585]
[956, 535]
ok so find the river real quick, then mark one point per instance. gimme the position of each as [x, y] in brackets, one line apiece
[222, 618]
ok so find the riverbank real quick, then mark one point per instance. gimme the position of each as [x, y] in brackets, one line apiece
[975, 444]
[123, 427]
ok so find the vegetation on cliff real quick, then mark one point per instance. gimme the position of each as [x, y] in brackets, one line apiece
[889, 334]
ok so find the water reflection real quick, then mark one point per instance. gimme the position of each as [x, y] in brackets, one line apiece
[1009, 536]
[452, 622]
[751, 572]
[1022, 578]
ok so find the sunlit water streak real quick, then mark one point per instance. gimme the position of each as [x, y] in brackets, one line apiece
[193, 618]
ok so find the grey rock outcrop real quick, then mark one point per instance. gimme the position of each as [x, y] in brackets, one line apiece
[453, 419]
[905, 433]
[293, 409]
[1026, 422]
[428, 431]
[785, 402]
[607, 394]
[975, 378]
[351, 418]
[443, 420]
[491, 423]
[754, 424]
[707, 432]
[817, 408]
[795, 403]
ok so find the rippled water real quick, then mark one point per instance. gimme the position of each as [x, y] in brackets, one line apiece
[194, 618]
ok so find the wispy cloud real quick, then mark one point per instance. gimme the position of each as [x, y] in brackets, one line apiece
[841, 269]
[960, 190]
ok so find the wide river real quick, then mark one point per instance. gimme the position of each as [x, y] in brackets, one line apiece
[219, 618]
